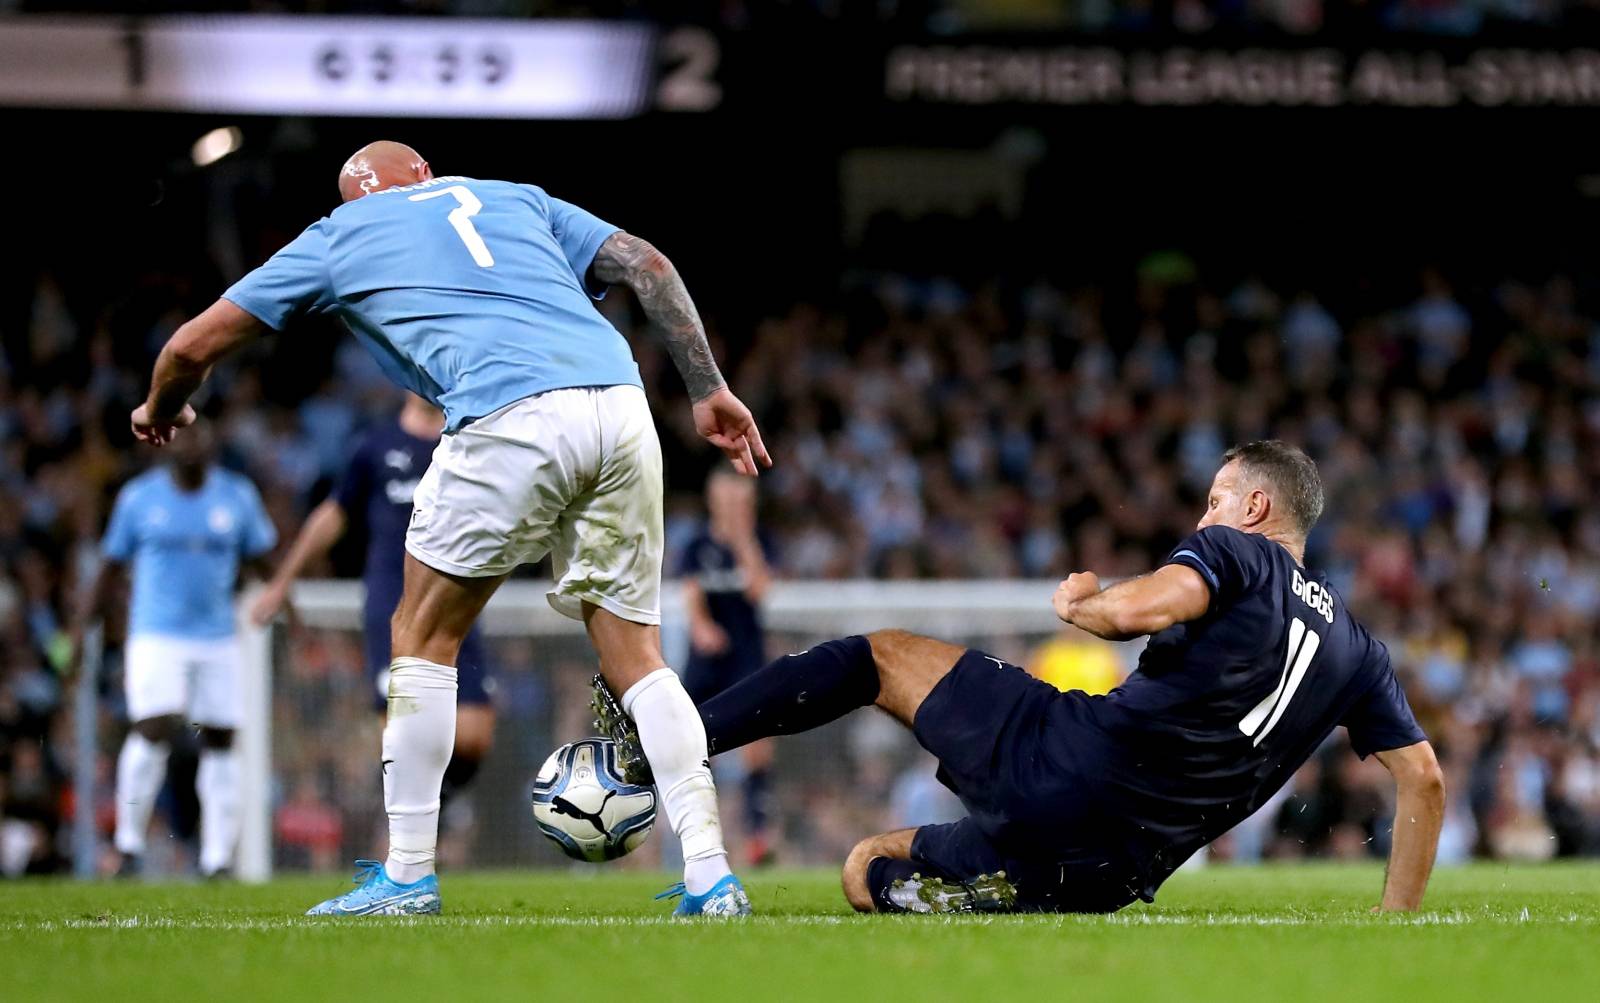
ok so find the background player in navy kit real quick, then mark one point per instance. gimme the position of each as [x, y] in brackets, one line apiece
[376, 492]
[725, 575]
[1088, 803]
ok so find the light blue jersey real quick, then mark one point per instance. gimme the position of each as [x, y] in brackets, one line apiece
[185, 547]
[473, 294]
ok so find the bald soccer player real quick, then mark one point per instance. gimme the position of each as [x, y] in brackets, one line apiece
[1084, 803]
[476, 295]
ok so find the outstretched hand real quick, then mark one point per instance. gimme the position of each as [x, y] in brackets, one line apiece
[726, 423]
[159, 433]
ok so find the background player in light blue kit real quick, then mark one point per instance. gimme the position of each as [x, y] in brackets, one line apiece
[476, 295]
[185, 529]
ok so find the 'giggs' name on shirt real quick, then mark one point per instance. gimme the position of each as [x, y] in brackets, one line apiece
[1313, 595]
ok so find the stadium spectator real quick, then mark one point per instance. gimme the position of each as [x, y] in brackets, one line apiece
[941, 429]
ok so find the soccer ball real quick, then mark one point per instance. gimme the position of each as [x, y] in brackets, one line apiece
[582, 803]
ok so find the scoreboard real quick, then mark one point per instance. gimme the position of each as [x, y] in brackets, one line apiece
[436, 68]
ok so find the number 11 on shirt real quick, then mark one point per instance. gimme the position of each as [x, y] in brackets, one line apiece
[461, 218]
[1303, 646]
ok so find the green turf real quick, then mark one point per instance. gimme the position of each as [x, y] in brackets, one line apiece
[1235, 935]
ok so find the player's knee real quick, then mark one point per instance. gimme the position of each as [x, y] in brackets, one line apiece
[900, 652]
[474, 733]
[160, 730]
[908, 666]
[854, 876]
[888, 649]
[889, 641]
[216, 739]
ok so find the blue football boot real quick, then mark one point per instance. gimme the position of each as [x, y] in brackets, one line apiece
[726, 898]
[381, 896]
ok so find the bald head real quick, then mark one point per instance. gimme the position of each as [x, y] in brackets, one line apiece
[381, 165]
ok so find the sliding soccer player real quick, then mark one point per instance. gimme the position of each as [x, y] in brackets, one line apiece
[1085, 803]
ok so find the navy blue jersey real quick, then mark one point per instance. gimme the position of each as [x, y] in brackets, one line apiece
[377, 488]
[1224, 709]
[716, 570]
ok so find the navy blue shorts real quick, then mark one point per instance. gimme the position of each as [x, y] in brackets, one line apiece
[1016, 751]
[707, 675]
[474, 683]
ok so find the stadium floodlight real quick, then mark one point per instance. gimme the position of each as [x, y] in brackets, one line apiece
[215, 145]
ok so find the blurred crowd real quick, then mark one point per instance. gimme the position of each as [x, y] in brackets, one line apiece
[937, 431]
[930, 428]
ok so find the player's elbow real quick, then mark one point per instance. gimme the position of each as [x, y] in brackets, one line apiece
[329, 518]
[757, 588]
[189, 349]
[1140, 619]
[651, 268]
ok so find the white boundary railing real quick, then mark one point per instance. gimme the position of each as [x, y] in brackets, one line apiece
[254, 743]
[833, 608]
[519, 608]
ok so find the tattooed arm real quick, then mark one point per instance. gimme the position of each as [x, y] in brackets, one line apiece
[718, 415]
[635, 263]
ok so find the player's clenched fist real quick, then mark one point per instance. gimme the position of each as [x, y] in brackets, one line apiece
[1079, 585]
[159, 433]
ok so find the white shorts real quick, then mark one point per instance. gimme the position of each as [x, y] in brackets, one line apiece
[573, 473]
[197, 679]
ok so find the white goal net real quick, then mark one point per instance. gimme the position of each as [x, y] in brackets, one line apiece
[312, 746]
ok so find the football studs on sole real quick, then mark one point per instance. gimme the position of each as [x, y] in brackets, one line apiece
[610, 721]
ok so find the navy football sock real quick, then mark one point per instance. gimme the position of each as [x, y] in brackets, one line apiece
[793, 694]
[457, 776]
[757, 800]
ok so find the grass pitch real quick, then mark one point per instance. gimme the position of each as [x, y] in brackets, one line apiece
[1226, 934]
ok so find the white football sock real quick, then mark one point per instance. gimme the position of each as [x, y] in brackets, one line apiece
[217, 784]
[674, 740]
[141, 766]
[417, 741]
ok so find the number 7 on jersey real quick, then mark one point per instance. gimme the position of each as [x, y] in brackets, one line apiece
[461, 218]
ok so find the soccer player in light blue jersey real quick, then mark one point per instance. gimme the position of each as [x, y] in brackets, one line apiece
[185, 530]
[477, 295]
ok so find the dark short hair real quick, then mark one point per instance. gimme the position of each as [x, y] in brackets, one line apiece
[1291, 473]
